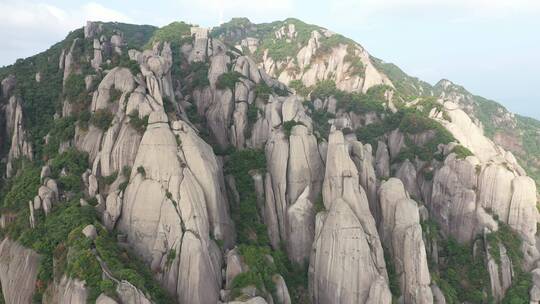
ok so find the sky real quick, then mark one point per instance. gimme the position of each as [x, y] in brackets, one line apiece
[491, 47]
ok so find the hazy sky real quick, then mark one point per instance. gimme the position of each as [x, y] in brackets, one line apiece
[491, 47]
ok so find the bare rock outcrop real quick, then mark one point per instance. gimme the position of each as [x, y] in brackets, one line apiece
[18, 272]
[346, 238]
[401, 233]
[165, 209]
[66, 291]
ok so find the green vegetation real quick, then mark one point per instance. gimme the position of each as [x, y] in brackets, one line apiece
[168, 105]
[249, 226]
[299, 87]
[465, 274]
[84, 119]
[407, 87]
[141, 171]
[199, 72]
[289, 125]
[530, 138]
[321, 125]
[135, 36]
[74, 163]
[114, 95]
[252, 234]
[228, 80]
[48, 239]
[22, 188]
[522, 282]
[319, 204]
[108, 180]
[393, 278]
[63, 130]
[263, 91]
[137, 123]
[357, 66]
[132, 65]
[324, 89]
[102, 119]
[75, 88]
[172, 32]
[39, 100]
[126, 266]
[252, 116]
[461, 152]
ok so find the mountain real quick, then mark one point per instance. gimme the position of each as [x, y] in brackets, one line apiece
[257, 163]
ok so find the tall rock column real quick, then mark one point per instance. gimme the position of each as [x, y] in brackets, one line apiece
[402, 235]
[347, 260]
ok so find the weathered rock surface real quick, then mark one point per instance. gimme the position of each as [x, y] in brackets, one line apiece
[401, 233]
[346, 238]
[67, 291]
[18, 272]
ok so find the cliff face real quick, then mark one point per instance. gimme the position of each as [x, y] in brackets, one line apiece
[261, 163]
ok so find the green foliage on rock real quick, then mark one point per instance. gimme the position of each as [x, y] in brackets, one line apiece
[172, 32]
[461, 152]
[75, 88]
[263, 91]
[20, 189]
[299, 87]
[124, 265]
[228, 80]
[102, 119]
[53, 231]
[289, 125]
[74, 163]
[137, 123]
[199, 75]
[249, 226]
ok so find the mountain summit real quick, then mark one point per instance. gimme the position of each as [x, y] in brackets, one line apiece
[257, 163]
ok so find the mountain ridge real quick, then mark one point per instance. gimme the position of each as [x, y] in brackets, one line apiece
[263, 160]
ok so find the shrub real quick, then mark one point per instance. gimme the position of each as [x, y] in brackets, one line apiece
[75, 88]
[132, 65]
[228, 80]
[356, 64]
[171, 32]
[324, 89]
[102, 119]
[171, 255]
[114, 95]
[126, 266]
[109, 179]
[141, 171]
[199, 72]
[299, 87]
[126, 171]
[461, 152]
[250, 228]
[84, 119]
[53, 230]
[70, 183]
[319, 204]
[72, 160]
[393, 278]
[289, 125]
[263, 91]
[137, 123]
[168, 105]
[21, 188]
